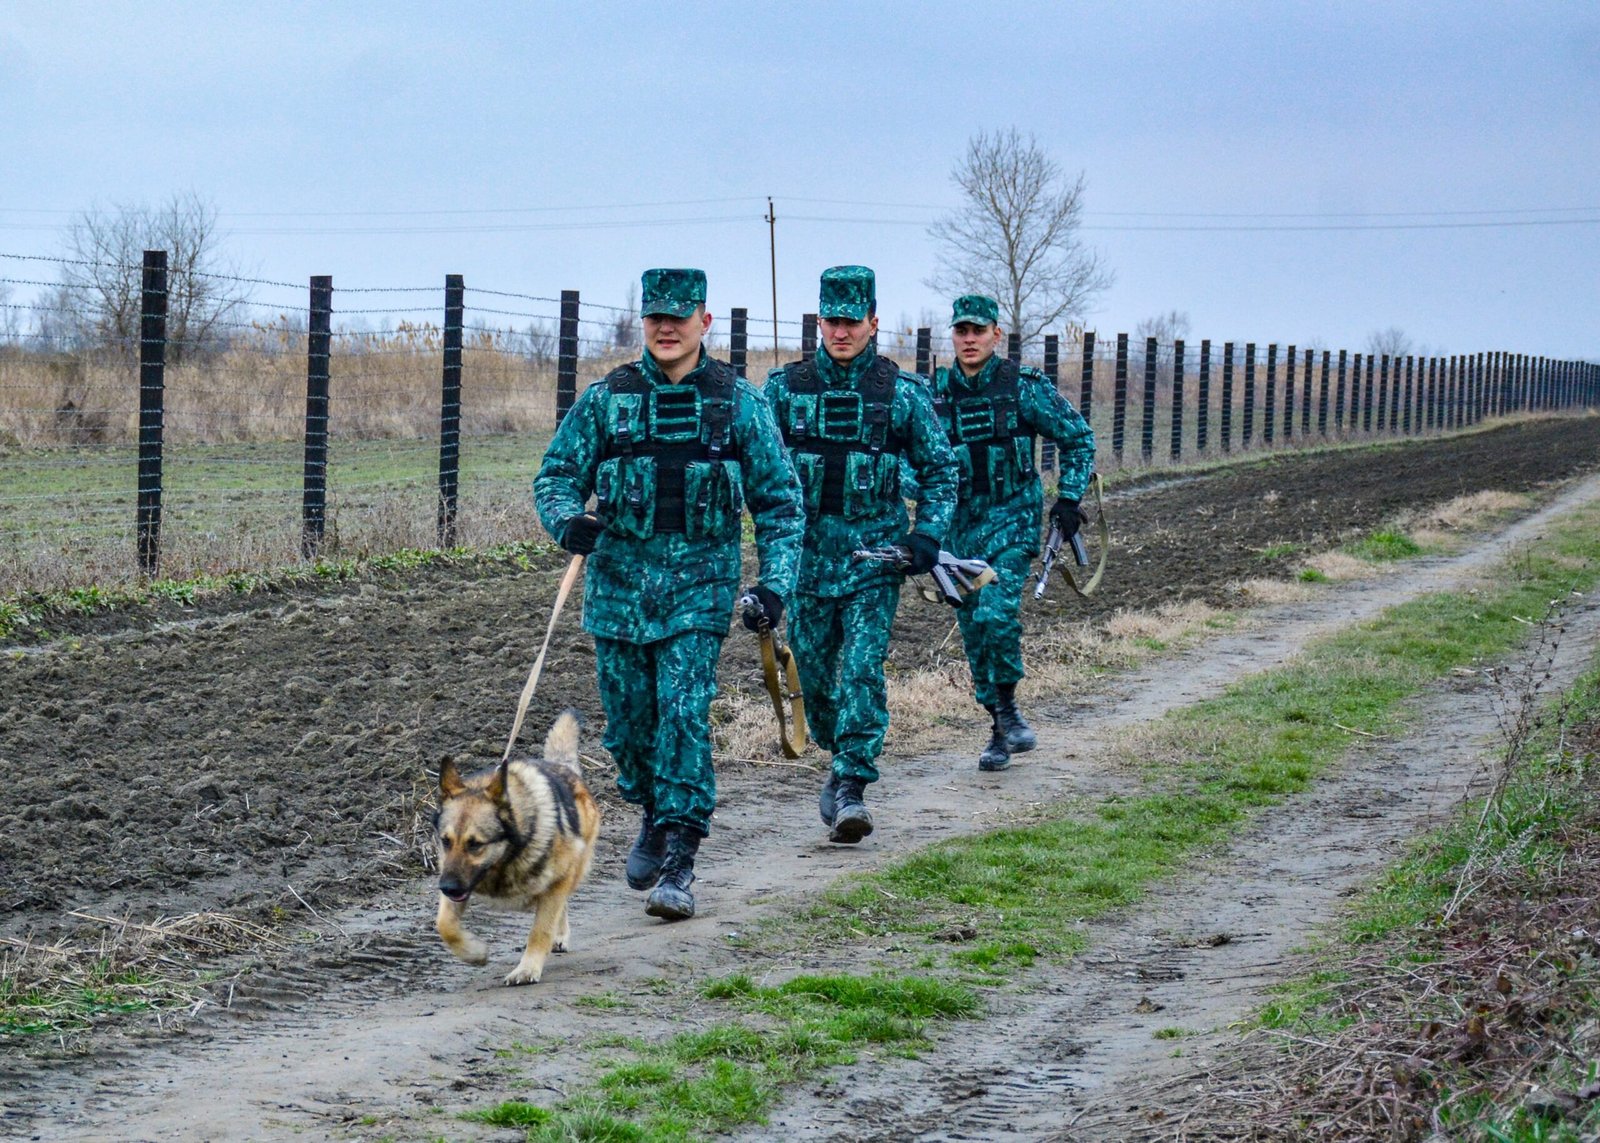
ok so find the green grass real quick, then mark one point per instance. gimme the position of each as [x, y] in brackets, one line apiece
[732, 1071]
[1380, 547]
[52, 1007]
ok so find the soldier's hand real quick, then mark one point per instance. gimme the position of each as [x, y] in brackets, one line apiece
[924, 552]
[581, 532]
[771, 607]
[1066, 515]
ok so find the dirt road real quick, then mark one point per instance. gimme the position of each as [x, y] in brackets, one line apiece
[267, 761]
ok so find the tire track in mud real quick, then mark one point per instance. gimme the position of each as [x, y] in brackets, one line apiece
[411, 1025]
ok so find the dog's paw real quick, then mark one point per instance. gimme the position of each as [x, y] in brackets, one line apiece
[560, 946]
[527, 972]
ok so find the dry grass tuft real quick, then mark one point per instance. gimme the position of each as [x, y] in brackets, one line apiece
[69, 987]
[1341, 566]
[1463, 512]
[1260, 592]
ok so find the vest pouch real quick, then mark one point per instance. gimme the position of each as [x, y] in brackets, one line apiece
[713, 499]
[865, 478]
[1022, 450]
[1002, 470]
[625, 488]
[800, 418]
[809, 467]
[963, 470]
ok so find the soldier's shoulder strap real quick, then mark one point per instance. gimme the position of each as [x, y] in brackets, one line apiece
[627, 378]
[877, 383]
[718, 378]
[802, 376]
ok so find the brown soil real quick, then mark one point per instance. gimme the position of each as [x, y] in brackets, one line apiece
[270, 758]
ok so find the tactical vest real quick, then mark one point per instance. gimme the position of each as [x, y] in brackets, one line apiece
[669, 463]
[842, 441]
[993, 447]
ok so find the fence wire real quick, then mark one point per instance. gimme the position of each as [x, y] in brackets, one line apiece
[235, 469]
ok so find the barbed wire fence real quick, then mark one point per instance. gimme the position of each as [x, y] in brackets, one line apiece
[350, 421]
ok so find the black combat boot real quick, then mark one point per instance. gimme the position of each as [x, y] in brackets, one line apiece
[825, 798]
[996, 755]
[851, 820]
[644, 860]
[671, 899]
[1019, 735]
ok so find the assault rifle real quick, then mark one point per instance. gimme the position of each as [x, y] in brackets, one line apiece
[1052, 549]
[954, 577]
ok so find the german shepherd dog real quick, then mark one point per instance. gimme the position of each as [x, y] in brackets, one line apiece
[521, 835]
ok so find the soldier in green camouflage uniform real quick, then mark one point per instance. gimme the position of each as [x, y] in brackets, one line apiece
[849, 418]
[992, 410]
[674, 447]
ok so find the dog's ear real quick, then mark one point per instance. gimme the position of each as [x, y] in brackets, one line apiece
[450, 783]
[496, 789]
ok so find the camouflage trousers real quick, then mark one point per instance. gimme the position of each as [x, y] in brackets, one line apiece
[840, 645]
[991, 626]
[657, 699]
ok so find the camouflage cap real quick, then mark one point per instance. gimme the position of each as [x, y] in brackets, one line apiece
[675, 292]
[975, 309]
[848, 292]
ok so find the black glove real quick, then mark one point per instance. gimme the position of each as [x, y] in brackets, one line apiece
[924, 552]
[1066, 515]
[771, 607]
[581, 532]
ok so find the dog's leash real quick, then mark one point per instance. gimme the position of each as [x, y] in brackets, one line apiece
[538, 664]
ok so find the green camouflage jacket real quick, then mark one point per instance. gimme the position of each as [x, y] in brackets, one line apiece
[1010, 513]
[643, 587]
[826, 568]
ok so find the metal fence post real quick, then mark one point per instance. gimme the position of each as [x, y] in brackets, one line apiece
[152, 406]
[1014, 347]
[1147, 414]
[1176, 448]
[1322, 390]
[1383, 389]
[1288, 393]
[1202, 397]
[1226, 425]
[738, 339]
[314, 501]
[925, 350]
[1339, 393]
[1269, 406]
[567, 355]
[1248, 431]
[1086, 384]
[1119, 399]
[450, 410]
[1366, 396]
[808, 336]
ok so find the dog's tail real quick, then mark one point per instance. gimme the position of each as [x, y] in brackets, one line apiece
[561, 744]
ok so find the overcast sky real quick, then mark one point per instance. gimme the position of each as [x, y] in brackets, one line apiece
[1290, 172]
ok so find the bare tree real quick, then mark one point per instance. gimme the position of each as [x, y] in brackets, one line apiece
[625, 333]
[1392, 341]
[1165, 328]
[1015, 235]
[540, 342]
[10, 325]
[102, 276]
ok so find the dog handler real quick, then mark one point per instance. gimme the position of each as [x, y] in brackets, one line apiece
[991, 410]
[848, 417]
[673, 447]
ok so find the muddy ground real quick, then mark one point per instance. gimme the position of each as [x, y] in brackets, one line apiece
[270, 758]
